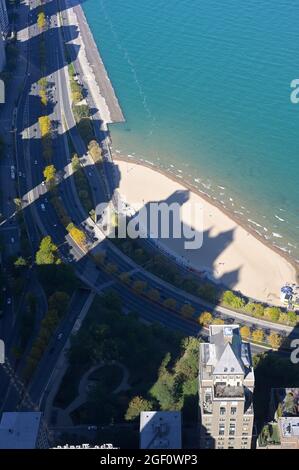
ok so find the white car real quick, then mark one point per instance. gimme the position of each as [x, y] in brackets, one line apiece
[8, 301]
[43, 208]
[35, 162]
[59, 336]
[92, 428]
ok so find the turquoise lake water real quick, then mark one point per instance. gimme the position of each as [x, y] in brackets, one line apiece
[205, 86]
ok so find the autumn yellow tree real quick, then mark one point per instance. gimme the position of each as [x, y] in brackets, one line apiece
[205, 318]
[275, 340]
[245, 332]
[44, 125]
[77, 235]
[49, 173]
[258, 336]
[218, 321]
[41, 20]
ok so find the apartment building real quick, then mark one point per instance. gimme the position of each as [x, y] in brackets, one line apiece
[2, 55]
[4, 28]
[4, 24]
[226, 384]
[22, 430]
[160, 430]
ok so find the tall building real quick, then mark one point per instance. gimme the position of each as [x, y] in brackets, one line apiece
[2, 55]
[160, 430]
[4, 25]
[226, 383]
[282, 431]
[22, 430]
[4, 29]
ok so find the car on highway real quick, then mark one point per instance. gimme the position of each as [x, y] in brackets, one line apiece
[43, 207]
[92, 428]
[12, 240]
[8, 301]
[59, 336]
[35, 162]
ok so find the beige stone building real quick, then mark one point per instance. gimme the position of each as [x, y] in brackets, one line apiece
[226, 383]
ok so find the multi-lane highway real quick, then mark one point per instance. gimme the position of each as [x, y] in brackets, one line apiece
[40, 216]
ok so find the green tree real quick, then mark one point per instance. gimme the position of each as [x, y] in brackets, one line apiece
[139, 286]
[125, 277]
[59, 301]
[20, 262]
[76, 163]
[207, 292]
[272, 313]
[111, 268]
[170, 303]
[232, 300]
[47, 253]
[293, 317]
[154, 295]
[254, 309]
[187, 310]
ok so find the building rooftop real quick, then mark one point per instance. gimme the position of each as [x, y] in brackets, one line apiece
[19, 430]
[160, 430]
[226, 353]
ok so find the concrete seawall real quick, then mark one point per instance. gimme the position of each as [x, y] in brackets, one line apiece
[97, 66]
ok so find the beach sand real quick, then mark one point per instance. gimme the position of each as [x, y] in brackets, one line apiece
[229, 253]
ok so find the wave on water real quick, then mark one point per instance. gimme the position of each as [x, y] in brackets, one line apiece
[279, 218]
[254, 223]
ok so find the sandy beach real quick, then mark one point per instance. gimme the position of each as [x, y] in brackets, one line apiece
[229, 253]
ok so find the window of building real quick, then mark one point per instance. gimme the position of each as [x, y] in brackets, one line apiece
[222, 410]
[221, 429]
[233, 410]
